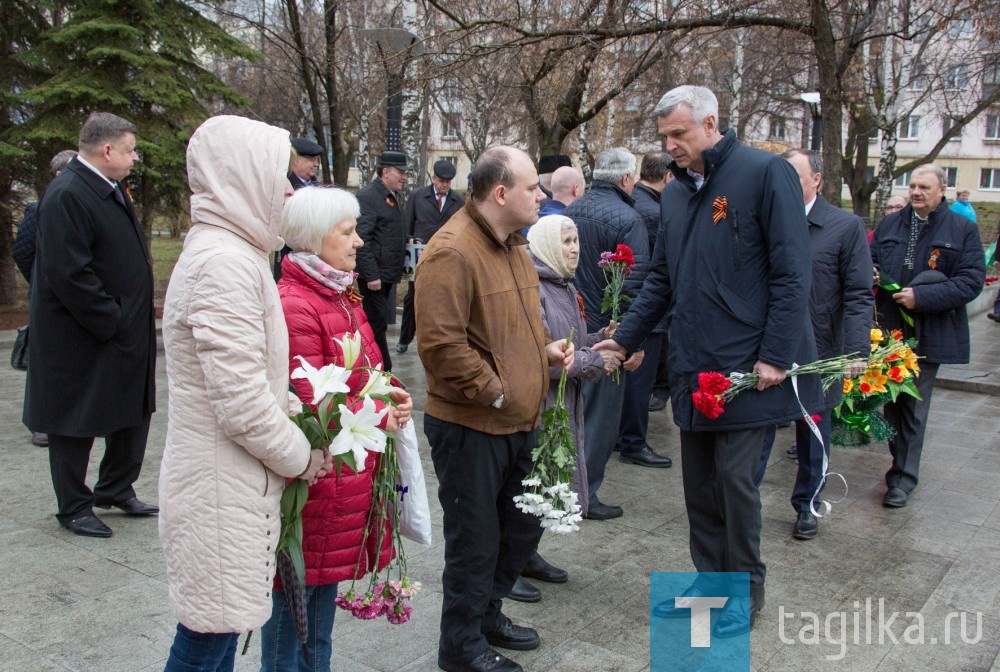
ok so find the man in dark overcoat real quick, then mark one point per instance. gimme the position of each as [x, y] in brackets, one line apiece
[731, 270]
[93, 351]
[427, 209]
[840, 306]
[305, 164]
[380, 260]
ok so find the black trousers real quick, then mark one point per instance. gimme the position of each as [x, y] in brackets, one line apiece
[376, 305]
[635, 405]
[408, 327]
[119, 469]
[487, 540]
[908, 417]
[723, 504]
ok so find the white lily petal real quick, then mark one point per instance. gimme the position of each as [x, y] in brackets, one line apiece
[377, 383]
[359, 432]
[350, 346]
[330, 379]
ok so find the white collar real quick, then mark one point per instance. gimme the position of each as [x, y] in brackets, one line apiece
[103, 176]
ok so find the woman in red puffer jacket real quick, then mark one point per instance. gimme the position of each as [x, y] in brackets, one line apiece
[322, 306]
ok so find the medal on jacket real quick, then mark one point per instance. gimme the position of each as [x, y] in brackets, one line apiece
[932, 262]
[352, 294]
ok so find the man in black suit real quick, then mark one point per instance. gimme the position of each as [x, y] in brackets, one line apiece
[380, 260]
[840, 306]
[427, 209]
[93, 350]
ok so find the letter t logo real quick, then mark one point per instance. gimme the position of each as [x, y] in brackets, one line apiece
[701, 617]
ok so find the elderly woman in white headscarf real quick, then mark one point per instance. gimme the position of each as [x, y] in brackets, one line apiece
[555, 250]
[230, 444]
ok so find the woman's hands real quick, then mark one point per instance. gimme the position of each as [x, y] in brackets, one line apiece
[399, 415]
[320, 464]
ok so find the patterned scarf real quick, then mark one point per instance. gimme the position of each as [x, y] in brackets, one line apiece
[324, 273]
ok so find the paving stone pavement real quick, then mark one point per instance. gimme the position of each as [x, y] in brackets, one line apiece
[99, 605]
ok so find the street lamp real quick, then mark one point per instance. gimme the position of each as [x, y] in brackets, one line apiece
[812, 100]
[395, 43]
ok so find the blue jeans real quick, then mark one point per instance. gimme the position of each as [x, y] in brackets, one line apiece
[280, 650]
[202, 651]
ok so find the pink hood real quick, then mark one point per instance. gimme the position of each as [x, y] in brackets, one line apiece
[237, 171]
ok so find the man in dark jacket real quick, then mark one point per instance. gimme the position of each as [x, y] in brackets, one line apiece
[924, 236]
[380, 260]
[605, 218]
[427, 209]
[632, 444]
[482, 343]
[840, 307]
[24, 249]
[93, 349]
[305, 163]
[731, 269]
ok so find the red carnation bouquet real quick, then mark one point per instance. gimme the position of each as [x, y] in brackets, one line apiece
[715, 389]
[617, 266]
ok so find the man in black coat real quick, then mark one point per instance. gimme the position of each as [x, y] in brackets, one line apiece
[731, 269]
[632, 444]
[24, 249]
[427, 209]
[924, 236]
[93, 349]
[605, 218]
[380, 260]
[840, 306]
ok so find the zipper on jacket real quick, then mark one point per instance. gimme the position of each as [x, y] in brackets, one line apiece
[267, 479]
[737, 262]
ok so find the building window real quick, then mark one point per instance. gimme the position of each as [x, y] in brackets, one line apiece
[951, 172]
[993, 126]
[451, 124]
[453, 160]
[960, 29]
[909, 128]
[918, 81]
[956, 77]
[778, 130]
[989, 178]
[903, 180]
[947, 123]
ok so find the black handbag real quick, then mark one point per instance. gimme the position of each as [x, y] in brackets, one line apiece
[19, 353]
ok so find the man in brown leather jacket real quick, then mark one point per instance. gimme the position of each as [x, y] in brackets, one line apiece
[483, 346]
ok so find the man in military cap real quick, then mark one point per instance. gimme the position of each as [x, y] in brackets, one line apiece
[303, 174]
[427, 209]
[305, 165]
[380, 260]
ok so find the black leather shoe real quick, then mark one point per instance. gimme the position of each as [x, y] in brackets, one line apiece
[490, 661]
[598, 511]
[132, 506]
[40, 439]
[510, 636]
[401, 347]
[524, 592]
[657, 403]
[994, 316]
[538, 568]
[806, 526]
[668, 609]
[646, 458]
[895, 498]
[87, 526]
[738, 616]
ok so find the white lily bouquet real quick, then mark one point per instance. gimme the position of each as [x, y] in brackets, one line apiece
[349, 429]
[547, 492]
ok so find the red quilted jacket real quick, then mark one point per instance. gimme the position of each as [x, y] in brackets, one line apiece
[336, 514]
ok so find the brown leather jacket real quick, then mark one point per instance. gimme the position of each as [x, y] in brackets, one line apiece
[479, 327]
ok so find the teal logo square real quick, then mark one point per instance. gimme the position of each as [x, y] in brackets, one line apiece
[683, 632]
